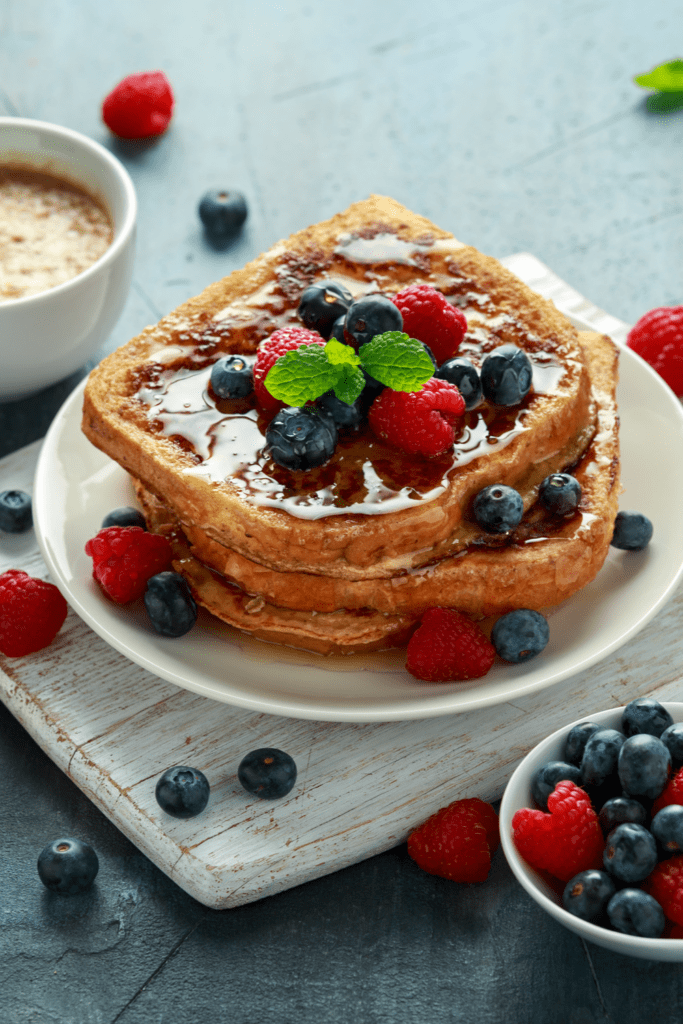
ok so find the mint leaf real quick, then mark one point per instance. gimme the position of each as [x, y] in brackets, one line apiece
[350, 382]
[666, 77]
[338, 353]
[301, 375]
[399, 362]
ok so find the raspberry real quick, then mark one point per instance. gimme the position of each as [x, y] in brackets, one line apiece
[124, 558]
[565, 841]
[672, 793]
[270, 350]
[32, 612]
[665, 884]
[140, 106]
[457, 842]
[448, 646]
[658, 338]
[418, 422]
[429, 317]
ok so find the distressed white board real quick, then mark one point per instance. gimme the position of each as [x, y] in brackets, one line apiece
[114, 728]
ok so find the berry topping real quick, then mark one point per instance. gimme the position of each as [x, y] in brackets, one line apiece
[284, 340]
[447, 646]
[337, 331]
[268, 773]
[140, 106]
[658, 338]
[633, 912]
[222, 212]
[418, 422]
[564, 842]
[462, 373]
[170, 605]
[322, 305]
[506, 375]
[665, 884]
[667, 828]
[632, 531]
[68, 866]
[587, 894]
[182, 792]
[547, 777]
[600, 756]
[301, 439]
[232, 377]
[673, 737]
[457, 842]
[498, 509]
[672, 794]
[619, 810]
[643, 766]
[630, 853]
[576, 741]
[124, 558]
[371, 315]
[16, 512]
[645, 714]
[560, 494]
[429, 317]
[520, 635]
[343, 415]
[124, 516]
[32, 612]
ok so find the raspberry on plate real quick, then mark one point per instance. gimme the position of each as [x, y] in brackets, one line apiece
[447, 646]
[457, 842]
[564, 842]
[418, 422]
[658, 338]
[140, 106]
[125, 558]
[429, 317]
[284, 340]
[32, 612]
[665, 884]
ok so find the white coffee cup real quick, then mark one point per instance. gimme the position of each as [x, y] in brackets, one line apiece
[47, 336]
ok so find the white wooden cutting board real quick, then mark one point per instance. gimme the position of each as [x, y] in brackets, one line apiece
[114, 728]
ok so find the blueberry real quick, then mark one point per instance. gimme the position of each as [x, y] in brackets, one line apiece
[222, 212]
[170, 605]
[635, 912]
[600, 756]
[506, 375]
[587, 894]
[520, 635]
[372, 389]
[371, 315]
[16, 512]
[667, 828]
[430, 354]
[461, 372]
[232, 377]
[124, 516]
[618, 810]
[322, 304]
[576, 741]
[267, 773]
[546, 778]
[344, 416]
[643, 766]
[337, 331]
[182, 792]
[68, 866]
[498, 508]
[630, 853]
[560, 493]
[673, 737]
[301, 438]
[645, 714]
[632, 531]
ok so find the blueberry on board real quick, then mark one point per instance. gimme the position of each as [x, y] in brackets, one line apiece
[268, 773]
[673, 737]
[560, 493]
[506, 375]
[667, 828]
[520, 635]
[587, 894]
[635, 912]
[182, 792]
[463, 374]
[124, 516]
[301, 438]
[170, 605]
[645, 714]
[322, 304]
[498, 508]
[343, 415]
[600, 756]
[643, 766]
[546, 778]
[232, 377]
[619, 810]
[576, 741]
[632, 531]
[371, 315]
[630, 853]
[16, 512]
[222, 212]
[68, 866]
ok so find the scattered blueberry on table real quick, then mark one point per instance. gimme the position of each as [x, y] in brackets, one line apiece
[222, 212]
[68, 866]
[16, 511]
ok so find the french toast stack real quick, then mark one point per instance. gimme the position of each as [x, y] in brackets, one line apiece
[348, 556]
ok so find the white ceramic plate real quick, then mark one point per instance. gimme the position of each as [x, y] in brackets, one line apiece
[76, 485]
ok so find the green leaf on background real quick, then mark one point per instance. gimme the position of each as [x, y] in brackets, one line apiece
[399, 362]
[301, 375]
[338, 353]
[666, 77]
[350, 382]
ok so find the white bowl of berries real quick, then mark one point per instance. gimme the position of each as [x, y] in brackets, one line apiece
[591, 823]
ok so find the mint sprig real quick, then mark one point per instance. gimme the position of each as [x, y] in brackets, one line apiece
[309, 371]
[667, 77]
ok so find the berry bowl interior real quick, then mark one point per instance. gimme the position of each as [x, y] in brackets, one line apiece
[518, 794]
